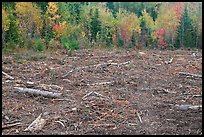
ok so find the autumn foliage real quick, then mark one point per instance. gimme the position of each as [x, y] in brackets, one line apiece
[157, 24]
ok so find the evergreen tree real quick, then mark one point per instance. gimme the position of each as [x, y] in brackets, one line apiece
[95, 25]
[111, 6]
[43, 6]
[186, 34]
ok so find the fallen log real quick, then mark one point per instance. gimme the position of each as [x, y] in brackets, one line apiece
[37, 92]
[190, 74]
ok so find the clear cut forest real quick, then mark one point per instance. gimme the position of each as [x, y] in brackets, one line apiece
[96, 68]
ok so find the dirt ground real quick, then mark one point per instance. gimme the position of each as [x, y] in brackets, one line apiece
[104, 92]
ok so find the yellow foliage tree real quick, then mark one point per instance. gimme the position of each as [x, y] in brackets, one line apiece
[127, 24]
[52, 12]
[29, 17]
[148, 20]
[5, 20]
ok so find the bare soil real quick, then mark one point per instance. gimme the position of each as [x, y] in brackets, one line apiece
[104, 92]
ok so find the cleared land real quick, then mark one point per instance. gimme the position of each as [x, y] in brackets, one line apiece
[104, 92]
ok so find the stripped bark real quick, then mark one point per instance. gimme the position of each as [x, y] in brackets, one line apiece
[37, 92]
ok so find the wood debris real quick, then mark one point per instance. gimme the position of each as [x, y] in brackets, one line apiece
[10, 125]
[140, 119]
[85, 97]
[103, 65]
[37, 124]
[190, 74]
[169, 62]
[7, 75]
[37, 92]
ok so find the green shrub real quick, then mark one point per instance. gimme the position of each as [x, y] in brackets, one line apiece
[9, 46]
[38, 45]
[69, 44]
[51, 44]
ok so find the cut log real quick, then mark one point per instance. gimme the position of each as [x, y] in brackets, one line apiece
[37, 92]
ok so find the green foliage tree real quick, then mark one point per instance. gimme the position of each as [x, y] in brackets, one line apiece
[111, 7]
[186, 35]
[95, 24]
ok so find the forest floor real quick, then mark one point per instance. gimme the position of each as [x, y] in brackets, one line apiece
[103, 92]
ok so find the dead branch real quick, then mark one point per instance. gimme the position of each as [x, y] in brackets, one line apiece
[139, 117]
[169, 62]
[87, 95]
[50, 87]
[60, 123]
[107, 125]
[101, 95]
[190, 74]
[84, 97]
[195, 107]
[124, 63]
[197, 96]
[103, 65]
[68, 73]
[187, 107]
[10, 77]
[10, 125]
[37, 124]
[108, 64]
[38, 92]
[62, 99]
[73, 70]
[102, 83]
[132, 124]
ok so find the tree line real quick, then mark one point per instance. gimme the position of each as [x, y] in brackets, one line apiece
[73, 25]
